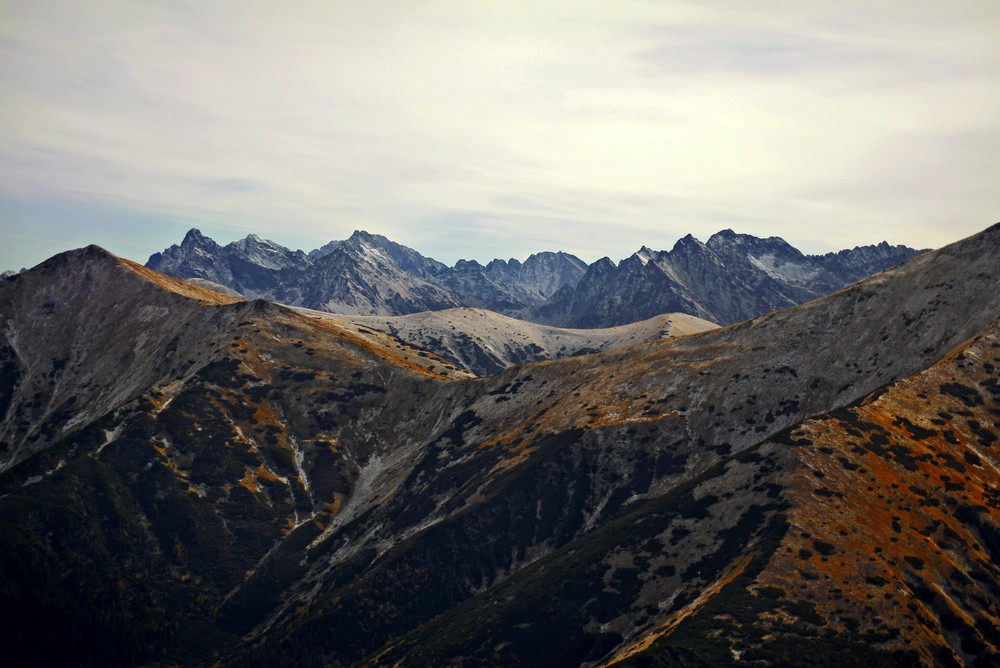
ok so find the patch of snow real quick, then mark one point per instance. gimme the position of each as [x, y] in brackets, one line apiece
[786, 270]
[645, 255]
[110, 435]
[363, 488]
[38, 478]
[299, 458]
[77, 420]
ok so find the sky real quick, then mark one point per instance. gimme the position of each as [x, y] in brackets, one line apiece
[481, 129]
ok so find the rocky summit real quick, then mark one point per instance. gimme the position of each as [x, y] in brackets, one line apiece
[187, 478]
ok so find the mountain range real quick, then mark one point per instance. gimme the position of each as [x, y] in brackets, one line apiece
[190, 478]
[730, 278]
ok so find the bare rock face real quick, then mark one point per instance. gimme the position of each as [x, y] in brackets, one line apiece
[244, 484]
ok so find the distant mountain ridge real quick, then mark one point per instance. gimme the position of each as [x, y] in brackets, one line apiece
[367, 274]
[730, 278]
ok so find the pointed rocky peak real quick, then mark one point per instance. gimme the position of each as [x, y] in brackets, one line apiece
[722, 235]
[193, 236]
[325, 249]
[731, 241]
[601, 268]
[498, 266]
[378, 248]
[645, 254]
[688, 243]
[256, 241]
[362, 237]
[253, 241]
[604, 264]
[560, 261]
[365, 244]
[638, 259]
[741, 247]
[77, 260]
[468, 265]
[195, 239]
[266, 253]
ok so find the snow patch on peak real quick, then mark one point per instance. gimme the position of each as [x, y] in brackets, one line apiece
[645, 254]
[782, 270]
[373, 252]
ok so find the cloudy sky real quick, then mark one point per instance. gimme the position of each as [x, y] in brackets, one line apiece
[496, 128]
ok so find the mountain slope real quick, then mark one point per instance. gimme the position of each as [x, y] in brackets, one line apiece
[159, 440]
[485, 343]
[866, 535]
[297, 490]
[554, 450]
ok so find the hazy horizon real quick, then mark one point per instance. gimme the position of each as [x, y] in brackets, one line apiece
[484, 129]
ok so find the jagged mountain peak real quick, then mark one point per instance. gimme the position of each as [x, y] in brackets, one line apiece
[255, 240]
[604, 265]
[363, 238]
[645, 254]
[366, 235]
[267, 254]
[195, 237]
[729, 240]
[688, 243]
[467, 265]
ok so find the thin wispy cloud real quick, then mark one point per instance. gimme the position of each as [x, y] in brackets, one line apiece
[482, 129]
